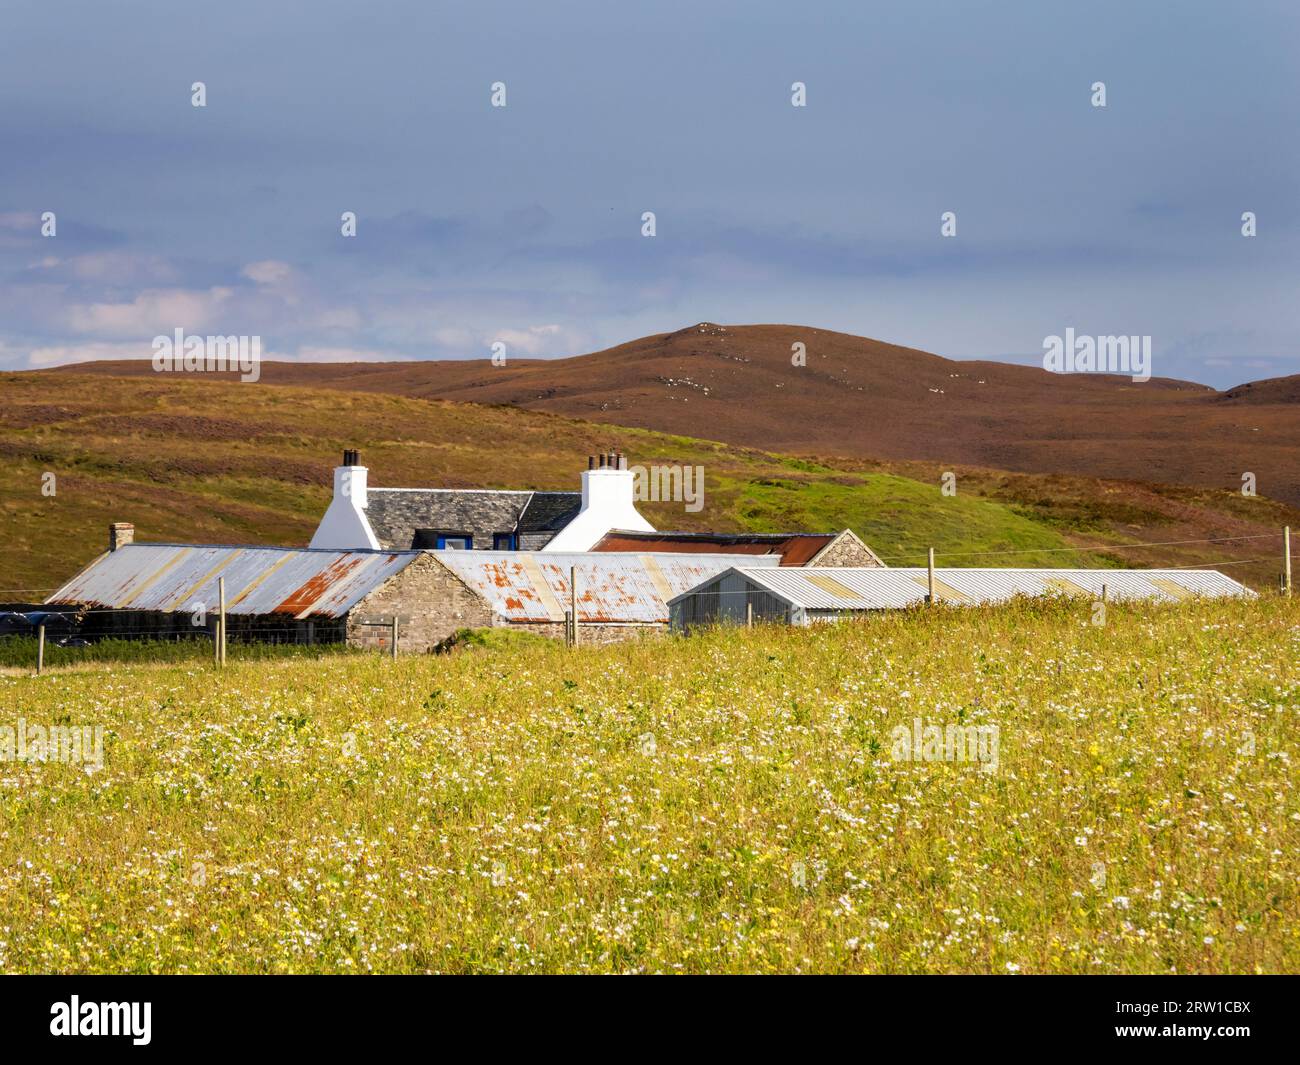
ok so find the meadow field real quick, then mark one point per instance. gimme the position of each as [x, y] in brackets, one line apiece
[727, 802]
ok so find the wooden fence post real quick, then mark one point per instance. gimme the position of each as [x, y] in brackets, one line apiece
[221, 621]
[749, 615]
[1286, 561]
[573, 602]
[40, 648]
[394, 637]
[930, 578]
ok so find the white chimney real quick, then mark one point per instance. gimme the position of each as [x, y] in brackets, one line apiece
[120, 533]
[345, 526]
[608, 502]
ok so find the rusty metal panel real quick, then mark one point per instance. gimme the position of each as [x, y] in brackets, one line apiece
[612, 587]
[794, 549]
[259, 580]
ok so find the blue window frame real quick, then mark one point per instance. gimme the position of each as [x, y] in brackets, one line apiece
[504, 542]
[455, 543]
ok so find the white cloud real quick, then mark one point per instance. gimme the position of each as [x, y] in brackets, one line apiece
[268, 272]
[112, 267]
[152, 312]
[533, 340]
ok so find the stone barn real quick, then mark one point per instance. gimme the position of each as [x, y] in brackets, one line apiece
[323, 596]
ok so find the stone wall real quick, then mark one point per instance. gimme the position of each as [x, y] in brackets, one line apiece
[430, 602]
[847, 550]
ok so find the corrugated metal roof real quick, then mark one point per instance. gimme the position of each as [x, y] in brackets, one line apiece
[529, 586]
[259, 580]
[794, 549]
[835, 588]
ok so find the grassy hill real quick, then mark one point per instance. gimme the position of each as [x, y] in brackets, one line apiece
[731, 802]
[202, 460]
[866, 399]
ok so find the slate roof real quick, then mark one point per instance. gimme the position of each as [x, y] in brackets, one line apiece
[396, 513]
[550, 511]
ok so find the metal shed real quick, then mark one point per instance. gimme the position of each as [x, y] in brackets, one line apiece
[293, 582]
[524, 587]
[799, 596]
[273, 594]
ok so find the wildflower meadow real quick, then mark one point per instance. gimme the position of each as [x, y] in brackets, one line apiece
[731, 801]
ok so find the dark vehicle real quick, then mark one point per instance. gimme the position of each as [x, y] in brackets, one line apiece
[26, 623]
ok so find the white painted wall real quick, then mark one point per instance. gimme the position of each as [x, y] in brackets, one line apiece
[345, 526]
[608, 503]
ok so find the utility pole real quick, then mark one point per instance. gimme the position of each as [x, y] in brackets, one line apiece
[930, 578]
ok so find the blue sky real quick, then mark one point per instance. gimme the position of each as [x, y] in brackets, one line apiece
[523, 223]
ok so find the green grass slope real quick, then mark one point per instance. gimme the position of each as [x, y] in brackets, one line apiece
[198, 460]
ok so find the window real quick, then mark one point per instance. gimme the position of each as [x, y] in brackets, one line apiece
[442, 540]
[504, 542]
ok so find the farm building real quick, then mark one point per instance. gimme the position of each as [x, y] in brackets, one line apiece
[800, 596]
[601, 517]
[313, 595]
[477, 519]
[793, 549]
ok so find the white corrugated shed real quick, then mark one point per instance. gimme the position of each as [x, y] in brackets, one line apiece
[806, 592]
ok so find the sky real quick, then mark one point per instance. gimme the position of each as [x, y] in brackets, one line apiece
[523, 224]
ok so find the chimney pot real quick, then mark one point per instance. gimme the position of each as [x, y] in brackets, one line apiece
[591, 462]
[351, 457]
[120, 533]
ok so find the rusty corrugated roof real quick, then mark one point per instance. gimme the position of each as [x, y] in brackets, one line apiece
[614, 587]
[296, 582]
[794, 549]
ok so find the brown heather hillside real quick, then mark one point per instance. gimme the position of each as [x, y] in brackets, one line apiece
[865, 399]
[194, 458]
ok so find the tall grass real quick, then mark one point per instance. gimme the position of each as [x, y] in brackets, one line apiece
[721, 803]
[20, 651]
